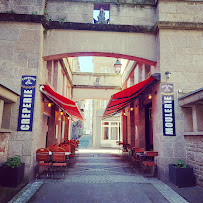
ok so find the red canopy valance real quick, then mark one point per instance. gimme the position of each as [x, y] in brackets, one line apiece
[122, 99]
[66, 104]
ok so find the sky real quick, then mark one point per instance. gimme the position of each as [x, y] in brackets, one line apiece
[86, 64]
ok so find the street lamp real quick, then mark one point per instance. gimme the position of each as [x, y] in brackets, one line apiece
[117, 65]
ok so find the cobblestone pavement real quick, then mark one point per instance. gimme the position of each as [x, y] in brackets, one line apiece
[99, 177]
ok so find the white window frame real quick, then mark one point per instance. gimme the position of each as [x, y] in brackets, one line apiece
[103, 103]
[110, 125]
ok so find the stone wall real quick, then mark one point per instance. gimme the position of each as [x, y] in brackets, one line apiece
[181, 11]
[96, 93]
[22, 7]
[122, 14]
[91, 79]
[70, 11]
[181, 53]
[21, 54]
[4, 138]
[131, 44]
[125, 14]
[194, 153]
[19, 51]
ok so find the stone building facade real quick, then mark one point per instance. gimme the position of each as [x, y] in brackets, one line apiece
[160, 36]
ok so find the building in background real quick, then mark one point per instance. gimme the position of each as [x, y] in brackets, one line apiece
[88, 116]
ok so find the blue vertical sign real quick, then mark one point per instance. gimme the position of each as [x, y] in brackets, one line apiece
[26, 107]
[168, 109]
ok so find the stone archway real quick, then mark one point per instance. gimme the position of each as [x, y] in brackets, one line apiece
[136, 45]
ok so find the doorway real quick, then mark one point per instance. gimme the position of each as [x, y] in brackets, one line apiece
[148, 127]
[110, 133]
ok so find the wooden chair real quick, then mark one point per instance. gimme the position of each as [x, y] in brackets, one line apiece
[73, 146]
[136, 154]
[78, 142]
[130, 150]
[73, 141]
[125, 147]
[43, 161]
[139, 150]
[58, 160]
[67, 148]
[150, 163]
[119, 143]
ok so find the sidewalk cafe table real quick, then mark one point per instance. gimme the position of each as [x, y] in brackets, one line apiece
[66, 153]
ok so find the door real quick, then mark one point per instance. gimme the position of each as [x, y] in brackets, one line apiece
[148, 127]
[110, 133]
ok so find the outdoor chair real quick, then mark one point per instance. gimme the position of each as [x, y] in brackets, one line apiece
[73, 147]
[136, 152]
[53, 146]
[58, 161]
[78, 142]
[151, 162]
[125, 147]
[130, 150]
[67, 148]
[43, 161]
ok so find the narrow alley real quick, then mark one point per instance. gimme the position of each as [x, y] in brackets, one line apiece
[99, 176]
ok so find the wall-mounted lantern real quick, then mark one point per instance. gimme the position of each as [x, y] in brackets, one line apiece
[168, 74]
[117, 66]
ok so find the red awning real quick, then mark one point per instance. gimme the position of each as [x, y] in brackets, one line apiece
[122, 99]
[66, 104]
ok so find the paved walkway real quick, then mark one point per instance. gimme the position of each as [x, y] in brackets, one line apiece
[85, 142]
[97, 176]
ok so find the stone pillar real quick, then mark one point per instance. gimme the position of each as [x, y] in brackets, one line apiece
[132, 125]
[199, 108]
[4, 137]
[1, 111]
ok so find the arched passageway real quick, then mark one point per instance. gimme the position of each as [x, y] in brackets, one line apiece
[100, 87]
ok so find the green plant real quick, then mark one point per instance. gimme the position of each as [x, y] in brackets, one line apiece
[13, 162]
[62, 20]
[48, 18]
[181, 164]
[45, 8]
[34, 13]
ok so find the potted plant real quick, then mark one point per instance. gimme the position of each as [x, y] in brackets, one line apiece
[181, 175]
[12, 172]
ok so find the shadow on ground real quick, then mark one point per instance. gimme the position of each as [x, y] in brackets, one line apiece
[7, 193]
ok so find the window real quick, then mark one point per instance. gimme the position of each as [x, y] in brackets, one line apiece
[114, 133]
[101, 13]
[106, 133]
[103, 103]
[105, 70]
[110, 130]
[7, 99]
[6, 114]
[56, 133]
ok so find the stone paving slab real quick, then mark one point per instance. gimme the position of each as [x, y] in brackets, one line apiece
[94, 192]
[97, 181]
